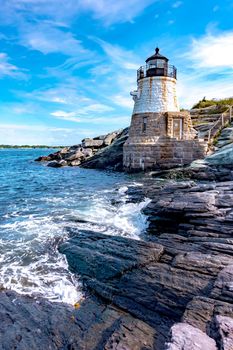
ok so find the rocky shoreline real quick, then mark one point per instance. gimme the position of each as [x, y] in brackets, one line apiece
[102, 152]
[171, 290]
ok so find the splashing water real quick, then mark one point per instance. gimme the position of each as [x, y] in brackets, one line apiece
[38, 203]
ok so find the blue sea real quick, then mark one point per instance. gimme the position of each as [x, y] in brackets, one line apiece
[38, 204]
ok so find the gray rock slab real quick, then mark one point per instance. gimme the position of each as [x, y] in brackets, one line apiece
[187, 337]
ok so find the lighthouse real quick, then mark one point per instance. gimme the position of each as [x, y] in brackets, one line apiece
[156, 86]
[160, 135]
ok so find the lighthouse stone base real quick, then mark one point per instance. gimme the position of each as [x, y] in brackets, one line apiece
[166, 141]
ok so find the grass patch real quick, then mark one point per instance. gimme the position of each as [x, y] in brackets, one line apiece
[221, 104]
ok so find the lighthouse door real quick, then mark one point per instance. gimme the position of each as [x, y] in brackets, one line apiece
[178, 128]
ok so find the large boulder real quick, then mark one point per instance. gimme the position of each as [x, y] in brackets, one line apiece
[78, 154]
[109, 138]
[75, 162]
[223, 157]
[43, 159]
[57, 164]
[91, 143]
[225, 138]
[186, 337]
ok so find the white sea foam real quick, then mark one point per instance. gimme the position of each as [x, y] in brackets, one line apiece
[125, 219]
[31, 263]
[29, 260]
[123, 189]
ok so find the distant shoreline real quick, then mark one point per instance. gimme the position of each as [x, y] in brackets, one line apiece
[28, 147]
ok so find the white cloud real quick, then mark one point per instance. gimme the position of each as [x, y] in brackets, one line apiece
[75, 116]
[111, 11]
[206, 69]
[191, 89]
[8, 69]
[65, 115]
[97, 107]
[47, 39]
[62, 12]
[212, 51]
[57, 99]
[123, 101]
[91, 119]
[64, 93]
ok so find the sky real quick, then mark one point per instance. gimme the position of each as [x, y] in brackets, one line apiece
[67, 66]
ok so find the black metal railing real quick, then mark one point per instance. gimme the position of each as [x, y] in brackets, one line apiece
[157, 70]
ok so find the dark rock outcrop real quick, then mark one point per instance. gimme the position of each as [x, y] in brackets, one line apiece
[27, 323]
[102, 152]
[179, 283]
[172, 292]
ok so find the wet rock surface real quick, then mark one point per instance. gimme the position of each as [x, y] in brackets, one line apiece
[102, 152]
[173, 291]
[180, 283]
[203, 170]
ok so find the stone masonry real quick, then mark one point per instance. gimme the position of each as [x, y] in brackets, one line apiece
[155, 94]
[160, 136]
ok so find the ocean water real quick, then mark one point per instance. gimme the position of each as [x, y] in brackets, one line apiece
[38, 204]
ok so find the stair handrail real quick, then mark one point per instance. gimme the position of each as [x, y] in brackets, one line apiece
[221, 122]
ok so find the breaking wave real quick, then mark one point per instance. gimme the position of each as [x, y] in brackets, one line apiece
[39, 203]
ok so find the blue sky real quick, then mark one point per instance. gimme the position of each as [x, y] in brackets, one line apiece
[67, 66]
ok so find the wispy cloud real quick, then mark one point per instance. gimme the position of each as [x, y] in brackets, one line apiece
[74, 116]
[71, 116]
[62, 12]
[102, 121]
[119, 56]
[120, 66]
[47, 39]
[8, 69]
[111, 11]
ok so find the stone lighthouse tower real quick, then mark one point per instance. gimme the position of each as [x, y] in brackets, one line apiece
[160, 136]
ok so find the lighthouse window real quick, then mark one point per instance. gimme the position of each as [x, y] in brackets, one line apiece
[144, 125]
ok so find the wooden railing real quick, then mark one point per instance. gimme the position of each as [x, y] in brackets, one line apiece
[223, 120]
